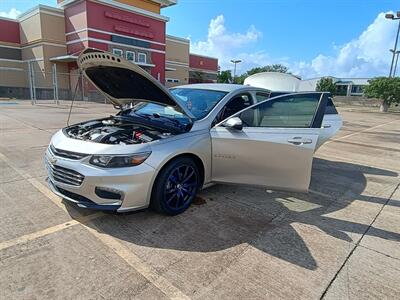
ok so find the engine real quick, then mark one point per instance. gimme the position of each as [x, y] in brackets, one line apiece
[109, 131]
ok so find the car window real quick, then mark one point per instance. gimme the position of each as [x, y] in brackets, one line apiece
[292, 111]
[262, 96]
[234, 105]
[330, 108]
[199, 101]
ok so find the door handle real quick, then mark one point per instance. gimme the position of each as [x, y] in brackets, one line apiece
[326, 126]
[298, 140]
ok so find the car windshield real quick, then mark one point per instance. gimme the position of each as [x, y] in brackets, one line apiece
[156, 111]
[199, 101]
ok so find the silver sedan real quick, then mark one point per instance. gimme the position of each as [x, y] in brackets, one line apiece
[162, 146]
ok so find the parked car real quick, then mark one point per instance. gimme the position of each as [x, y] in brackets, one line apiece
[162, 146]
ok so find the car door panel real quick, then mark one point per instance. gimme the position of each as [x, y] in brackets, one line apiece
[276, 145]
[276, 158]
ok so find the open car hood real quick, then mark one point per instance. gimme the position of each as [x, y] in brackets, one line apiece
[124, 82]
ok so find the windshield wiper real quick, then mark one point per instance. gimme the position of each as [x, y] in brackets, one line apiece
[158, 116]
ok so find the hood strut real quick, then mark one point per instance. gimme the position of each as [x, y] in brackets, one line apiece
[74, 96]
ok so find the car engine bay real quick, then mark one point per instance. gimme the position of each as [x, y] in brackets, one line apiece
[117, 132]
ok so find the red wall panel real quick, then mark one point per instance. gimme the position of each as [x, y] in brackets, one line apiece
[75, 17]
[205, 63]
[159, 60]
[9, 32]
[115, 20]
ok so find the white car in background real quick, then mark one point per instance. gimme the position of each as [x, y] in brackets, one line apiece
[162, 146]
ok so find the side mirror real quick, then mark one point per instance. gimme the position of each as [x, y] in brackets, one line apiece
[233, 123]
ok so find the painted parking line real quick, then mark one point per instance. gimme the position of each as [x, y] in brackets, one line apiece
[53, 229]
[136, 262]
[117, 247]
[358, 132]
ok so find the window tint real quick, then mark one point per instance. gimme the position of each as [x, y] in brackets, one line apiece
[235, 105]
[275, 94]
[288, 111]
[330, 108]
[262, 96]
[200, 102]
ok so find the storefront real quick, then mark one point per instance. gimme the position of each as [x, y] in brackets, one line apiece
[44, 42]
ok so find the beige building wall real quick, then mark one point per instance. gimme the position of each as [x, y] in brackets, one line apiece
[31, 29]
[13, 74]
[53, 28]
[177, 61]
[42, 38]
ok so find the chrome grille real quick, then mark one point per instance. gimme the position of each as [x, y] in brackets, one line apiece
[67, 154]
[64, 175]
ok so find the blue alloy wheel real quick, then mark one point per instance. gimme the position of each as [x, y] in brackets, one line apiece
[176, 186]
[181, 187]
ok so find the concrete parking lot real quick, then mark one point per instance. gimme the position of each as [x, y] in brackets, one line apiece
[339, 241]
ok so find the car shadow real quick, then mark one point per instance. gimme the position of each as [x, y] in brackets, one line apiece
[227, 216]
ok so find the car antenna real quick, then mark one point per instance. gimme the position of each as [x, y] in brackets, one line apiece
[73, 98]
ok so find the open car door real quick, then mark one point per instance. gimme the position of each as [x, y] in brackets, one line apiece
[274, 147]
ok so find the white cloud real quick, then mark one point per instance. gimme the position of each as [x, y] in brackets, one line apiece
[224, 44]
[365, 56]
[12, 14]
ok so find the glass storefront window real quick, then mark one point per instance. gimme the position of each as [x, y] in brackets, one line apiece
[130, 55]
[142, 57]
[118, 52]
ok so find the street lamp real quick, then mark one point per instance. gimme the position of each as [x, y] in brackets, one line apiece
[235, 62]
[392, 17]
[397, 53]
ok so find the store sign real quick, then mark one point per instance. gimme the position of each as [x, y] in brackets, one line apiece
[125, 18]
[145, 34]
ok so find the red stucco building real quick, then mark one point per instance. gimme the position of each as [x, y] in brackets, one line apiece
[45, 41]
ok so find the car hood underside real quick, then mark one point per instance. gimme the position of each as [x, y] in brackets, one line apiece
[123, 82]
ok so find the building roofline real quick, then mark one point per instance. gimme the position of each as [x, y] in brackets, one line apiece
[200, 55]
[165, 3]
[176, 38]
[340, 78]
[40, 8]
[8, 19]
[122, 6]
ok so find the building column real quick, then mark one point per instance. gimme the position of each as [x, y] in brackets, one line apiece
[349, 90]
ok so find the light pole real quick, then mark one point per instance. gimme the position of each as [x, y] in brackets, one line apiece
[392, 17]
[395, 65]
[235, 62]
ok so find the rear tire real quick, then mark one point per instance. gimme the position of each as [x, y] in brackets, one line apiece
[175, 187]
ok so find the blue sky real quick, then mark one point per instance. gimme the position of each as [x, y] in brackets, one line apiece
[312, 37]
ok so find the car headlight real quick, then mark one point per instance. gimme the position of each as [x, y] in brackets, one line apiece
[119, 161]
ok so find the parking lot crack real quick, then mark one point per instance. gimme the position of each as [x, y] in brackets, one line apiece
[358, 243]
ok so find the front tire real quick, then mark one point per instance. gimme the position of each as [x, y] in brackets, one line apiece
[175, 187]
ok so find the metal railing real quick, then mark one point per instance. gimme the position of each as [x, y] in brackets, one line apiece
[29, 82]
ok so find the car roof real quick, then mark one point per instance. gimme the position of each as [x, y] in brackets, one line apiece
[223, 87]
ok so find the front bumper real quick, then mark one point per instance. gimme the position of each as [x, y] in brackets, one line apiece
[133, 184]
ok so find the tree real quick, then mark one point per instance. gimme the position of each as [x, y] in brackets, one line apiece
[269, 68]
[224, 77]
[387, 89]
[326, 84]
